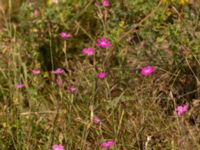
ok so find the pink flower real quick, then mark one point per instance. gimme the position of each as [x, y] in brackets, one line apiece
[108, 144]
[102, 75]
[105, 3]
[58, 147]
[146, 71]
[35, 72]
[55, 1]
[181, 109]
[65, 35]
[36, 13]
[20, 86]
[96, 120]
[72, 89]
[59, 81]
[58, 71]
[88, 51]
[103, 43]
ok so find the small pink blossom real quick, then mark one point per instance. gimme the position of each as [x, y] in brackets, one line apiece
[105, 3]
[59, 81]
[58, 71]
[146, 71]
[108, 144]
[102, 75]
[35, 72]
[55, 1]
[96, 120]
[36, 13]
[58, 147]
[181, 109]
[103, 43]
[65, 35]
[88, 51]
[72, 89]
[20, 86]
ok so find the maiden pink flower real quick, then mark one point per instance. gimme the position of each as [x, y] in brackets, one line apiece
[65, 35]
[58, 71]
[108, 144]
[181, 109]
[20, 86]
[55, 1]
[72, 89]
[96, 120]
[88, 51]
[59, 81]
[146, 71]
[102, 75]
[58, 147]
[36, 13]
[105, 3]
[103, 43]
[35, 72]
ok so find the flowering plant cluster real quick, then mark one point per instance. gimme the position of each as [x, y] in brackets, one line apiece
[98, 72]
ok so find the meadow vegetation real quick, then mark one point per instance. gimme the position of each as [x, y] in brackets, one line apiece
[99, 74]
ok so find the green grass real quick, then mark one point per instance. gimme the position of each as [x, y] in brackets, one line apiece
[137, 112]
